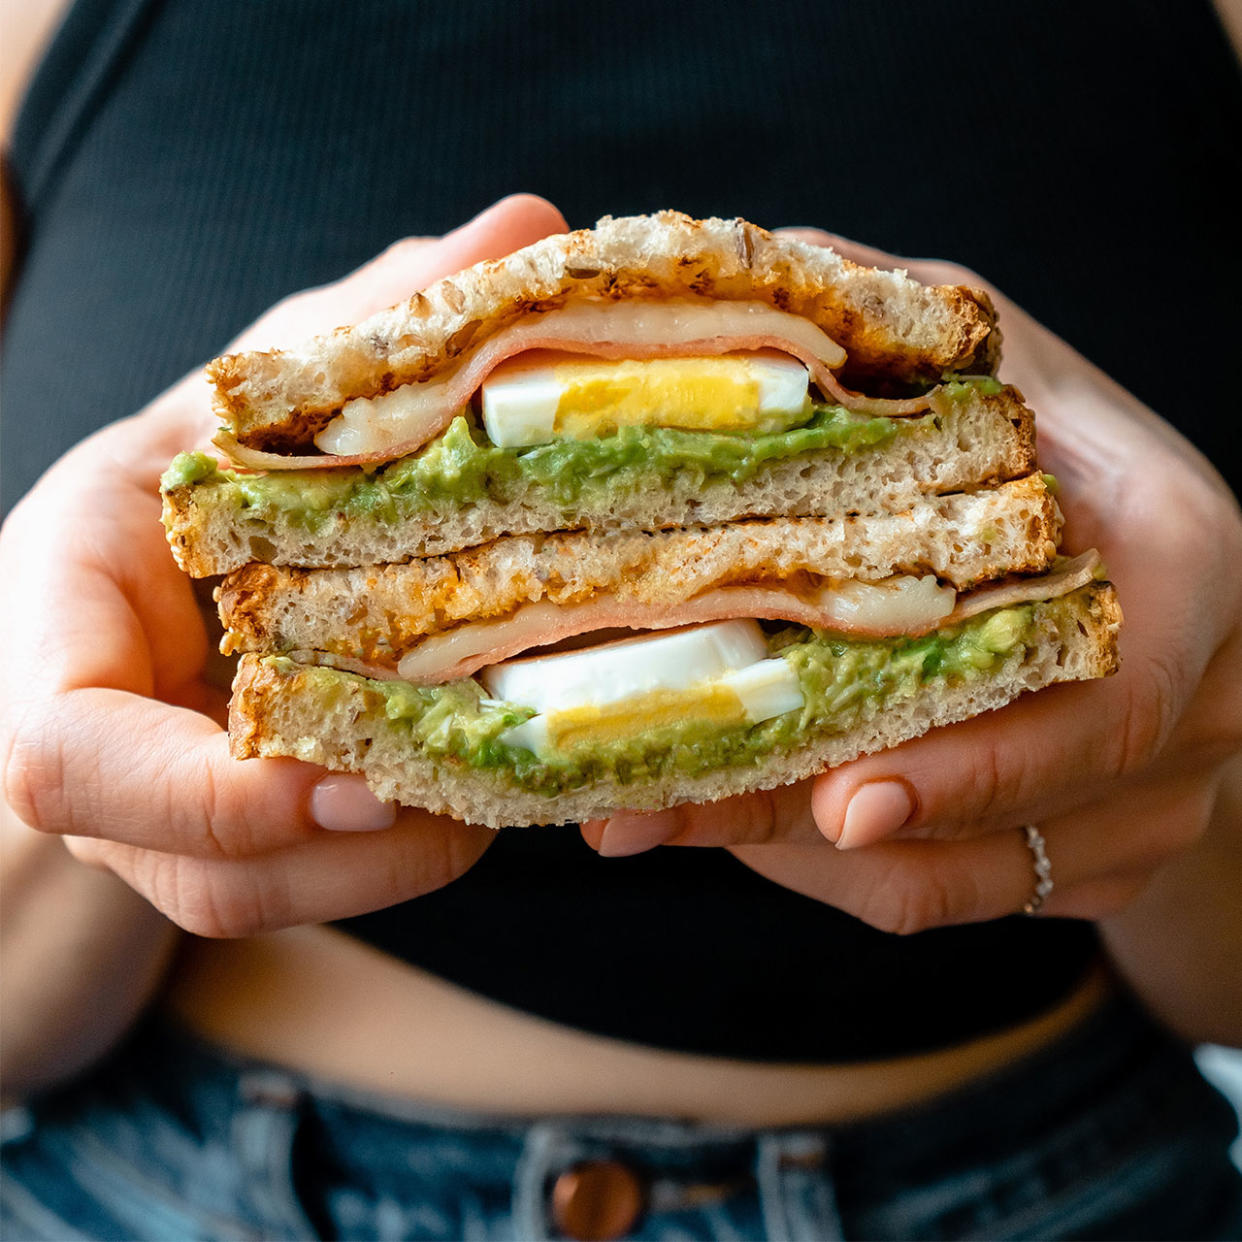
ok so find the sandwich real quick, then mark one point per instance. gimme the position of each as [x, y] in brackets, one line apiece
[666, 510]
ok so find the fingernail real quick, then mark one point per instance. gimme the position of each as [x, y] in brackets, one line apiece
[345, 804]
[593, 831]
[877, 809]
[629, 833]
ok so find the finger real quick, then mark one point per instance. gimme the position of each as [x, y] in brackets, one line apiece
[781, 814]
[1034, 758]
[404, 268]
[332, 876]
[508, 225]
[108, 764]
[904, 886]
[1040, 755]
[1101, 858]
[129, 618]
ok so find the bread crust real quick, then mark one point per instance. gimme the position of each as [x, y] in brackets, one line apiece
[889, 324]
[272, 715]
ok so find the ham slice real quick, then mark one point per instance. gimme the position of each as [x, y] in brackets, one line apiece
[902, 606]
[401, 422]
[897, 607]
[1064, 577]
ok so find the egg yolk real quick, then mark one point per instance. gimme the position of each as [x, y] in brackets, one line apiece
[695, 394]
[589, 725]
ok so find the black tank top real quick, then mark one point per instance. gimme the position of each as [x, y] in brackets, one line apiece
[185, 165]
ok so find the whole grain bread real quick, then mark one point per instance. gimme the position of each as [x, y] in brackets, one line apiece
[377, 612]
[275, 713]
[974, 442]
[888, 323]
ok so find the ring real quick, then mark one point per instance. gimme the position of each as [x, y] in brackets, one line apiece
[1043, 869]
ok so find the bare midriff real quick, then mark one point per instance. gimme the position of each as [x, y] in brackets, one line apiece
[317, 1002]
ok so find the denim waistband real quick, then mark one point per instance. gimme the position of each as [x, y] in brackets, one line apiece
[1108, 1132]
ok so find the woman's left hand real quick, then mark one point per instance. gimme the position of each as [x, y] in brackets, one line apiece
[1120, 775]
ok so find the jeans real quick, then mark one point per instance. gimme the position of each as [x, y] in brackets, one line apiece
[1110, 1133]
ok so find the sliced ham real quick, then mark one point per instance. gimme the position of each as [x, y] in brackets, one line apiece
[1064, 577]
[637, 330]
[872, 609]
[901, 607]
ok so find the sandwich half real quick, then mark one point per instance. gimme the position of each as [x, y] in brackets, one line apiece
[654, 371]
[666, 510]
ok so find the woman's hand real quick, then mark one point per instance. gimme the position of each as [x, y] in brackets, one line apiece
[111, 727]
[1120, 775]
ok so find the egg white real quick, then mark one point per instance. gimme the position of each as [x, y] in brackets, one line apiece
[722, 655]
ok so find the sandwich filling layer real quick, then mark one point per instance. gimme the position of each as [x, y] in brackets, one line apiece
[462, 466]
[899, 606]
[717, 673]
[840, 682]
[678, 334]
[545, 396]
[377, 426]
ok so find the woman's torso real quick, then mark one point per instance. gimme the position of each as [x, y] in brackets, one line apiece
[323, 1004]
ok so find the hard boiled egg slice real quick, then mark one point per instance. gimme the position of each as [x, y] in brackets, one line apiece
[717, 673]
[544, 396]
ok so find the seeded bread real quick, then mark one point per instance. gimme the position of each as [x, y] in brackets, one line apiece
[377, 612]
[274, 713]
[887, 322]
[975, 442]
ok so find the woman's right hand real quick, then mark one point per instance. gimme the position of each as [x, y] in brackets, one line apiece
[111, 733]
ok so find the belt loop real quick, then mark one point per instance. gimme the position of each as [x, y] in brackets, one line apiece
[797, 1191]
[530, 1209]
[264, 1129]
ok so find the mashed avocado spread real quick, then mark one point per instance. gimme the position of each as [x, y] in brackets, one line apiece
[461, 466]
[843, 680]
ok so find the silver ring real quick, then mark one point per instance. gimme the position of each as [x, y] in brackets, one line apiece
[1043, 869]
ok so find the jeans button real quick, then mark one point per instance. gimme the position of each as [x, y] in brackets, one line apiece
[597, 1200]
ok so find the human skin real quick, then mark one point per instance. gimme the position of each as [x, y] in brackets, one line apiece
[1133, 780]
[112, 740]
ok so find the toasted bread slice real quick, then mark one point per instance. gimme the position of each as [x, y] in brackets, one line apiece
[338, 719]
[220, 522]
[376, 612]
[888, 323]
